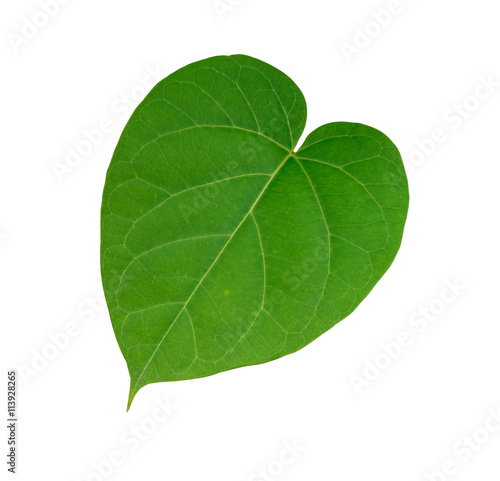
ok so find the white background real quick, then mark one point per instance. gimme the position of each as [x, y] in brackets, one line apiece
[408, 78]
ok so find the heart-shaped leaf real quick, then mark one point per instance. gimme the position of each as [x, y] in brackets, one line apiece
[223, 247]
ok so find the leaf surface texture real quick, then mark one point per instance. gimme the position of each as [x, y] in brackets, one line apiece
[221, 245]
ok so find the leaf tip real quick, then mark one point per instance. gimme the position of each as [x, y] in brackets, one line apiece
[131, 395]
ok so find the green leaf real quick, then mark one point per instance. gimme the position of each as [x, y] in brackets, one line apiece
[223, 247]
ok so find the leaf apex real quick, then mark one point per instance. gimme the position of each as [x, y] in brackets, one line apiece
[131, 395]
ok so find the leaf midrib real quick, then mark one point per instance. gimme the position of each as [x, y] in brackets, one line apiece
[261, 193]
